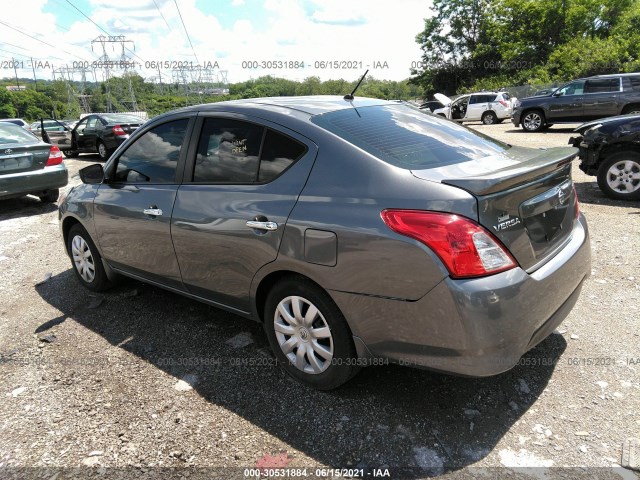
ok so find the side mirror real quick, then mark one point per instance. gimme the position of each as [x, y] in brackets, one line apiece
[92, 175]
[557, 93]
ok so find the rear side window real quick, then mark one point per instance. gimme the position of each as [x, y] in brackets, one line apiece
[278, 153]
[407, 137]
[635, 83]
[228, 151]
[153, 157]
[602, 85]
[233, 151]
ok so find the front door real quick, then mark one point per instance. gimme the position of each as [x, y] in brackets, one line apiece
[566, 103]
[228, 221]
[132, 209]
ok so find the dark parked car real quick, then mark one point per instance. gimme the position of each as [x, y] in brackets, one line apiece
[581, 100]
[357, 231]
[28, 165]
[610, 150]
[431, 105]
[102, 133]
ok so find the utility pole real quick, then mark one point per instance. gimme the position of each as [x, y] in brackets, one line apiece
[16, 72]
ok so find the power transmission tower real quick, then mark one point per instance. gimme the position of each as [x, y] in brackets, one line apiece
[121, 61]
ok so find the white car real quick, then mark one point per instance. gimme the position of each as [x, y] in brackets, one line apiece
[487, 107]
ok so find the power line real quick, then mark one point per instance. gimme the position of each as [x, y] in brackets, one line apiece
[185, 31]
[160, 12]
[37, 39]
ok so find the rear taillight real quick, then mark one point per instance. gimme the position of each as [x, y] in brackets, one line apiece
[55, 157]
[504, 103]
[466, 248]
[117, 130]
[576, 204]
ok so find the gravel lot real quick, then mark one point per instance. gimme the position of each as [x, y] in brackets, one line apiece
[138, 379]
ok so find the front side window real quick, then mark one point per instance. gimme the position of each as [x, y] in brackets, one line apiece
[573, 88]
[92, 123]
[635, 83]
[154, 156]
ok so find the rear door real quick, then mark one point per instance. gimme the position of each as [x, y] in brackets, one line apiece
[132, 209]
[228, 220]
[601, 97]
[55, 133]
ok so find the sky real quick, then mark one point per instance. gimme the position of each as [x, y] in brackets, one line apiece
[237, 39]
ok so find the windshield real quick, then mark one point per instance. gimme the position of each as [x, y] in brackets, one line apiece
[408, 137]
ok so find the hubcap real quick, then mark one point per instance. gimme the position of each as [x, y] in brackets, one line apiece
[489, 119]
[624, 176]
[303, 335]
[82, 259]
[532, 121]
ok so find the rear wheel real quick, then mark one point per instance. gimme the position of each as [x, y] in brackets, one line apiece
[50, 196]
[86, 260]
[533, 121]
[103, 152]
[309, 335]
[619, 175]
[631, 109]
[489, 118]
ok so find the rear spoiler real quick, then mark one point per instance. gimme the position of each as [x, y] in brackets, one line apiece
[523, 172]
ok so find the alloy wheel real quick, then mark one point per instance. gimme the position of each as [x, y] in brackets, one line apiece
[624, 176]
[532, 121]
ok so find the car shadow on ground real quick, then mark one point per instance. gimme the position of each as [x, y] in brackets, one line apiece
[553, 129]
[414, 421]
[589, 192]
[26, 206]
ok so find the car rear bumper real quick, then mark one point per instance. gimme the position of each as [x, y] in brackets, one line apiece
[34, 182]
[476, 327]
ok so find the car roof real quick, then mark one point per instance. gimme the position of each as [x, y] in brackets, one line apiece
[312, 105]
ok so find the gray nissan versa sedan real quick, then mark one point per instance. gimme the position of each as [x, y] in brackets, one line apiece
[356, 231]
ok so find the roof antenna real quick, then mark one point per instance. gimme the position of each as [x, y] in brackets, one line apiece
[349, 96]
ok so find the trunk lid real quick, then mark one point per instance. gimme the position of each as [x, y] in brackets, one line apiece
[525, 198]
[18, 158]
[129, 127]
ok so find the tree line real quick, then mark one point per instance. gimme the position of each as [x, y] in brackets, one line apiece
[470, 45]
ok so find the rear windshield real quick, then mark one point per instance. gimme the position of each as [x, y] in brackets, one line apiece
[407, 137]
[122, 118]
[10, 133]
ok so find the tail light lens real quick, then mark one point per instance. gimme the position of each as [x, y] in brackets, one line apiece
[466, 248]
[504, 103]
[55, 157]
[117, 130]
[576, 203]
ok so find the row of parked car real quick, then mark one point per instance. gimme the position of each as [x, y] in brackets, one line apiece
[609, 149]
[31, 154]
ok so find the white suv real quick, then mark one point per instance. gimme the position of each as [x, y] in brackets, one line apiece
[487, 107]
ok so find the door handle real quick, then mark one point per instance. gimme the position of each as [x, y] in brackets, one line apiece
[152, 210]
[268, 226]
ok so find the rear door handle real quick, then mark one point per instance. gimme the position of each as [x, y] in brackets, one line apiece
[268, 226]
[152, 210]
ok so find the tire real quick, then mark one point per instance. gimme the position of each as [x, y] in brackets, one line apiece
[50, 197]
[619, 175]
[102, 150]
[533, 121]
[631, 109]
[87, 262]
[329, 363]
[489, 118]
[71, 153]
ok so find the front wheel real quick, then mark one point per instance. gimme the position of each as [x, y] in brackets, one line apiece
[309, 335]
[86, 260]
[533, 121]
[619, 175]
